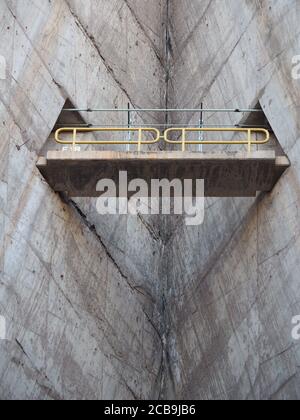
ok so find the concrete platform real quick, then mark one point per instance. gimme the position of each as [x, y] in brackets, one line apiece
[225, 174]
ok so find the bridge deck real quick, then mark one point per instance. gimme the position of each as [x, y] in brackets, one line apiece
[225, 174]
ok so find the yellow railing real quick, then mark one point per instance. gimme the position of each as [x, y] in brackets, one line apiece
[249, 141]
[139, 142]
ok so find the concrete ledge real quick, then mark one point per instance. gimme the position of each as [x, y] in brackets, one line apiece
[225, 174]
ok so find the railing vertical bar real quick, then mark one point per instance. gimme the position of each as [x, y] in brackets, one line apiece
[183, 139]
[129, 126]
[249, 140]
[74, 139]
[201, 133]
[140, 140]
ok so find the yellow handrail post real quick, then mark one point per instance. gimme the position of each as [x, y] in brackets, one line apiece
[140, 140]
[249, 140]
[183, 139]
[74, 138]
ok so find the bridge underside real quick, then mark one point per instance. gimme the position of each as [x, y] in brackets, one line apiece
[225, 174]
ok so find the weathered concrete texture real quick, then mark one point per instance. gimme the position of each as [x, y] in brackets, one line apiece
[63, 297]
[81, 307]
[136, 59]
[235, 285]
[109, 307]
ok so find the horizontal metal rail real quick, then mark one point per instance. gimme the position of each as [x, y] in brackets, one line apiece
[137, 110]
[163, 125]
[165, 137]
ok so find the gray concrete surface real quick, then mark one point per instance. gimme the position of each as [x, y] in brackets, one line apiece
[225, 174]
[232, 286]
[125, 307]
[65, 288]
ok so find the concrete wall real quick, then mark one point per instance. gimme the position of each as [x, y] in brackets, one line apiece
[79, 306]
[138, 307]
[235, 286]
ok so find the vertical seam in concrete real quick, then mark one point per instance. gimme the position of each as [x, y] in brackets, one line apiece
[167, 379]
[167, 59]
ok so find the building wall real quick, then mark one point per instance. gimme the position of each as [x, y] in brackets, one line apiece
[103, 307]
[78, 309]
[234, 288]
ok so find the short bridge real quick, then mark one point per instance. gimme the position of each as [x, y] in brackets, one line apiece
[76, 172]
[241, 174]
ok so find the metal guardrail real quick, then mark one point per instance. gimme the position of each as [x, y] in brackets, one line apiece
[168, 130]
[138, 130]
[249, 141]
[165, 137]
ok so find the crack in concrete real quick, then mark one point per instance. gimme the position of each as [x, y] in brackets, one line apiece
[33, 46]
[161, 371]
[155, 235]
[92, 228]
[109, 69]
[282, 353]
[225, 62]
[42, 377]
[152, 45]
[194, 29]
[291, 242]
[282, 386]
